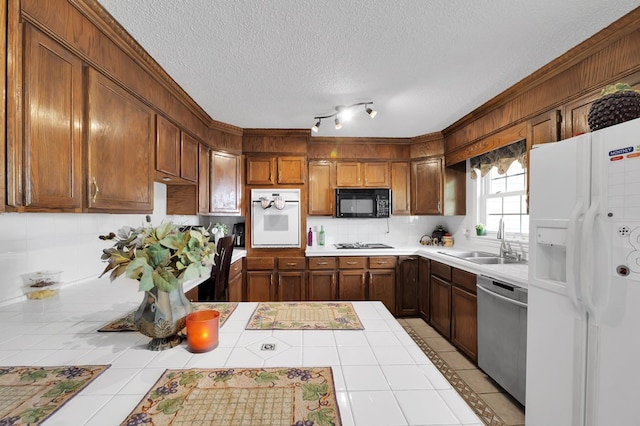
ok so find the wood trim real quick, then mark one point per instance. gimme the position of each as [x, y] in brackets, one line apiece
[488, 143]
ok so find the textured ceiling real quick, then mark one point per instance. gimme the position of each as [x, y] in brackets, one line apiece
[424, 63]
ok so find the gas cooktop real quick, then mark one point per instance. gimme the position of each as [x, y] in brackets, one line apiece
[362, 246]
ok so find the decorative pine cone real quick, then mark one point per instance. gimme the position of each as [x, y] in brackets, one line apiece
[613, 109]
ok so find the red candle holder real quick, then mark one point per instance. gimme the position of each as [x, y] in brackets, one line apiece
[202, 330]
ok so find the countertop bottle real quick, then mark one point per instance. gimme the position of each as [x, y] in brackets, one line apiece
[310, 238]
[321, 238]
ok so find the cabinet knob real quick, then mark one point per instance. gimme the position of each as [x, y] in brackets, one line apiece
[291, 264]
[352, 263]
[323, 263]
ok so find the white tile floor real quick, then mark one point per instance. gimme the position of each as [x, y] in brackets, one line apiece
[381, 376]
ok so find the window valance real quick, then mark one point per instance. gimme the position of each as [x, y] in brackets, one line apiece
[500, 158]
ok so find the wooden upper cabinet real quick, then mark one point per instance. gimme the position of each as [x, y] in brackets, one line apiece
[291, 170]
[120, 136]
[321, 188]
[225, 184]
[167, 147]
[426, 186]
[204, 196]
[189, 158]
[45, 165]
[269, 170]
[544, 128]
[376, 175]
[400, 188]
[261, 170]
[348, 174]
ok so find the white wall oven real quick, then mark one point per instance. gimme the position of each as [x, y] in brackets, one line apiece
[275, 218]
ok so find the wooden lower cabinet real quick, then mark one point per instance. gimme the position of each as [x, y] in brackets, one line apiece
[382, 287]
[440, 306]
[464, 313]
[352, 285]
[424, 278]
[322, 279]
[235, 282]
[407, 284]
[260, 286]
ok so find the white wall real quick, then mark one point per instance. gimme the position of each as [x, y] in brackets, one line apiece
[68, 242]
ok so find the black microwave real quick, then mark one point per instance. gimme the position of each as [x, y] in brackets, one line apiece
[365, 202]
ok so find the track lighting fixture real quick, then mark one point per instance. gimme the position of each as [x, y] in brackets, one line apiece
[343, 113]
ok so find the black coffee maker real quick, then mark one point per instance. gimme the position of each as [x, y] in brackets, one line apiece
[238, 231]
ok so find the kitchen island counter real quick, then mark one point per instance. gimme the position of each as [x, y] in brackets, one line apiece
[381, 376]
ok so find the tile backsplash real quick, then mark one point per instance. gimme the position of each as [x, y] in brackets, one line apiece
[67, 242]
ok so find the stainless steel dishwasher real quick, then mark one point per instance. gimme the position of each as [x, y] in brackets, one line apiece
[502, 334]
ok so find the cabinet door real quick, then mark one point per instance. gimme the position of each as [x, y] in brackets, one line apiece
[382, 287]
[189, 158]
[167, 147]
[544, 128]
[49, 176]
[408, 301]
[426, 186]
[400, 184]
[321, 285]
[261, 170]
[376, 175]
[464, 324]
[441, 306]
[235, 281]
[291, 286]
[291, 170]
[260, 286]
[352, 285]
[204, 196]
[424, 277]
[348, 174]
[225, 183]
[321, 188]
[120, 138]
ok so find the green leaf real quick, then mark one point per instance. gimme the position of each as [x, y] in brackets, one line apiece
[34, 415]
[175, 241]
[171, 406]
[190, 377]
[265, 377]
[163, 230]
[158, 255]
[164, 280]
[323, 417]
[313, 391]
[33, 376]
[63, 387]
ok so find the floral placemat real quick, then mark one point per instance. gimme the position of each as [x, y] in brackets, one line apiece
[28, 395]
[125, 323]
[246, 396]
[305, 316]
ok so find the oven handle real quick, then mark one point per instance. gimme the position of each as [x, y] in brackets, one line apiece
[501, 297]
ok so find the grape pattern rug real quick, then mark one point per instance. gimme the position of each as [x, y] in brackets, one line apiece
[125, 323]
[29, 395]
[241, 396]
[304, 316]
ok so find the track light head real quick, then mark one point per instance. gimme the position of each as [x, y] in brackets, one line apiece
[372, 112]
[316, 126]
[338, 123]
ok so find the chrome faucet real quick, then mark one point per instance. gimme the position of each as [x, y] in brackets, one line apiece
[505, 251]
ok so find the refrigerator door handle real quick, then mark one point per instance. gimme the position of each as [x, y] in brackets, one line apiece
[587, 249]
[573, 254]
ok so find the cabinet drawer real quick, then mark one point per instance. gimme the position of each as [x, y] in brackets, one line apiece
[235, 268]
[322, 263]
[352, 262]
[260, 263]
[441, 270]
[464, 279]
[382, 262]
[285, 263]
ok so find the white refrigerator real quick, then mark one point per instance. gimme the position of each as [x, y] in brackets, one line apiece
[583, 332]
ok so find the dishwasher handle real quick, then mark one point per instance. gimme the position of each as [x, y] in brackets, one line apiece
[501, 297]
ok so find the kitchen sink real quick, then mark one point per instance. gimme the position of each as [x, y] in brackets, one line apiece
[483, 258]
[494, 260]
[362, 246]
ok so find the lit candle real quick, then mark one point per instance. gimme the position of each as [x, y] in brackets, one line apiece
[202, 330]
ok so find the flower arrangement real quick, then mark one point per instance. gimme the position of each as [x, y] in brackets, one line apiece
[480, 230]
[220, 227]
[162, 257]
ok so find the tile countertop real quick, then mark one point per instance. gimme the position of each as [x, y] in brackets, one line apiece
[381, 376]
[516, 274]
